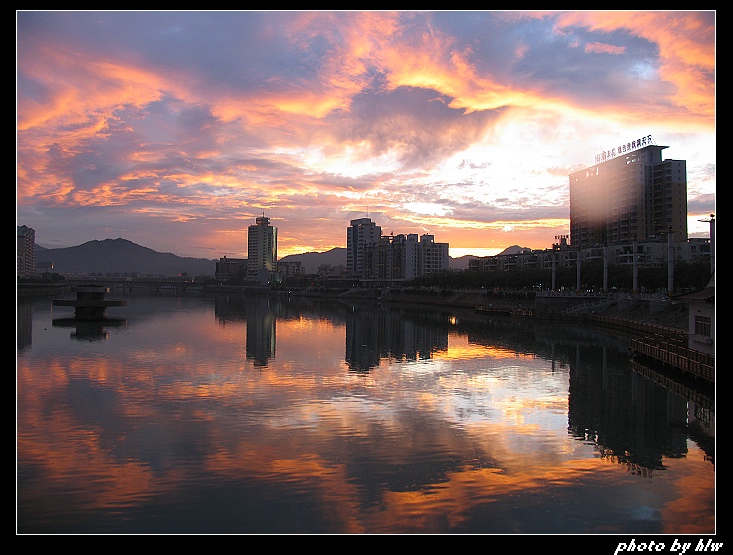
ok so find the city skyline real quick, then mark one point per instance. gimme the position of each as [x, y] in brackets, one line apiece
[176, 130]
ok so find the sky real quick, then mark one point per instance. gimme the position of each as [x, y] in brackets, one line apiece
[177, 129]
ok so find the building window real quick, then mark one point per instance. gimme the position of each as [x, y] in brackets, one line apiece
[703, 326]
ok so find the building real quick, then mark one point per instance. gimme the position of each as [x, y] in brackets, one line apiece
[262, 252]
[433, 256]
[393, 258]
[653, 253]
[630, 194]
[231, 268]
[26, 247]
[402, 257]
[360, 234]
[331, 271]
[291, 269]
[701, 310]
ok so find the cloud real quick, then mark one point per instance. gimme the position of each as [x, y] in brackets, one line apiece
[600, 48]
[179, 128]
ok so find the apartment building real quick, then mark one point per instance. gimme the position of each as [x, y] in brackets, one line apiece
[403, 257]
[361, 236]
[26, 251]
[630, 194]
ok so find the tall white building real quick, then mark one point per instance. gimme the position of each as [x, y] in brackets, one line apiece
[26, 251]
[262, 251]
[360, 235]
[433, 256]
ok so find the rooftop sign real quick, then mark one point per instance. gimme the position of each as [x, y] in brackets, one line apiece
[624, 148]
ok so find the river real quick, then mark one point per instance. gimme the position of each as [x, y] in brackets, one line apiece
[265, 415]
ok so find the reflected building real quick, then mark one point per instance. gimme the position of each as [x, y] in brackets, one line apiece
[257, 314]
[610, 397]
[364, 329]
[260, 331]
[629, 418]
[699, 395]
[373, 335]
[89, 330]
[24, 321]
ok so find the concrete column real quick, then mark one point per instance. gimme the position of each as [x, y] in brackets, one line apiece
[670, 261]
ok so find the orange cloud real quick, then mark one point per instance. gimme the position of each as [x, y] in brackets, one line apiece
[686, 49]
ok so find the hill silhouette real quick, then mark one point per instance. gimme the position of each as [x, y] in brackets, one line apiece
[121, 256]
[312, 260]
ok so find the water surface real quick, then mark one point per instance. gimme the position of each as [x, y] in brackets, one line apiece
[269, 415]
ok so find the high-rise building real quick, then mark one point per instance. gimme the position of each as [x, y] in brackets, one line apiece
[630, 194]
[361, 233]
[395, 257]
[262, 251]
[403, 257]
[434, 256]
[26, 251]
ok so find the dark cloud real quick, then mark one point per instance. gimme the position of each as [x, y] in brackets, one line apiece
[415, 125]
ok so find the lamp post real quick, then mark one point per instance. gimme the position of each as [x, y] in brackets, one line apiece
[711, 220]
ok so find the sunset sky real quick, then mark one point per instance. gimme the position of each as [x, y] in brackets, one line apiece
[176, 130]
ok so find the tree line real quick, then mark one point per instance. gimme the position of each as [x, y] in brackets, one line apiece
[688, 276]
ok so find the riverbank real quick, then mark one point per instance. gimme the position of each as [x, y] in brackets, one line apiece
[668, 314]
[671, 315]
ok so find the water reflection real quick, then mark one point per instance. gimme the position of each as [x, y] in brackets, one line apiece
[89, 330]
[198, 417]
[374, 334]
[259, 314]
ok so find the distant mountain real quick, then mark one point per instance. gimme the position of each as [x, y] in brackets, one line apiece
[514, 249]
[460, 263]
[120, 256]
[337, 257]
[312, 260]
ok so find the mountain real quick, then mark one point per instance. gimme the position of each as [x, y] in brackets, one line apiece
[312, 260]
[120, 256]
[514, 249]
[460, 263]
[337, 257]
